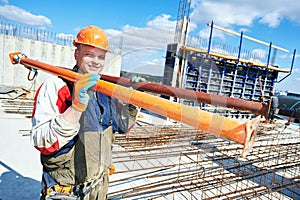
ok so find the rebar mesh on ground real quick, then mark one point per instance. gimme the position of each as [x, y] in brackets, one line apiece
[178, 162]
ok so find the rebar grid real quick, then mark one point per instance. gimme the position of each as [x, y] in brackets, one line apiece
[179, 162]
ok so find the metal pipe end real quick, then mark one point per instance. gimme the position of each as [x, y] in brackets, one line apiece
[251, 128]
[15, 57]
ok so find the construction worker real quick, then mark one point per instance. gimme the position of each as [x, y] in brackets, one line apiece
[273, 107]
[69, 127]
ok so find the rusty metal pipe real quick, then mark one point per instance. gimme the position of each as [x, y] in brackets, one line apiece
[242, 133]
[201, 97]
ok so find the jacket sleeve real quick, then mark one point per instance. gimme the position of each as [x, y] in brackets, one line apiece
[50, 131]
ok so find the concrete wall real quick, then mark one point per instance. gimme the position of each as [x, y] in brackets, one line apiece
[54, 54]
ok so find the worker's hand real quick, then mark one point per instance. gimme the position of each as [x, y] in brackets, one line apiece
[81, 96]
[136, 79]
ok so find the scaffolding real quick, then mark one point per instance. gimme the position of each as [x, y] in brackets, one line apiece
[207, 65]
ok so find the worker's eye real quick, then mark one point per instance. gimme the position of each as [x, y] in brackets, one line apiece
[91, 55]
[101, 57]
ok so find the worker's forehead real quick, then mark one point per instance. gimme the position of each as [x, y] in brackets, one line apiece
[89, 48]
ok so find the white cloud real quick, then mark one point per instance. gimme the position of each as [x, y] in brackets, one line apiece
[143, 49]
[128, 28]
[204, 33]
[158, 33]
[64, 36]
[15, 14]
[260, 53]
[5, 1]
[229, 13]
[162, 21]
[273, 19]
[222, 12]
[112, 32]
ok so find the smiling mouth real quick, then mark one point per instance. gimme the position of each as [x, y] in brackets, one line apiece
[94, 68]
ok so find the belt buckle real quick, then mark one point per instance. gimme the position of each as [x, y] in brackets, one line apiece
[60, 192]
[62, 196]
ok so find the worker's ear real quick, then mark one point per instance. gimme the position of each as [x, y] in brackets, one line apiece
[76, 54]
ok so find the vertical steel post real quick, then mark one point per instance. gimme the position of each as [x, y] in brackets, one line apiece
[240, 47]
[222, 77]
[267, 69]
[292, 65]
[269, 55]
[234, 80]
[210, 37]
[209, 76]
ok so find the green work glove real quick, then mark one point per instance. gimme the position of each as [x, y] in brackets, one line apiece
[81, 96]
[136, 79]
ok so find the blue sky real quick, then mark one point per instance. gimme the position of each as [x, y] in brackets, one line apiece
[147, 26]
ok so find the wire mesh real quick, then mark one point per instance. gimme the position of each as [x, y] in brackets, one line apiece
[179, 162]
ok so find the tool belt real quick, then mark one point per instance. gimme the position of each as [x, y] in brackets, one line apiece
[75, 192]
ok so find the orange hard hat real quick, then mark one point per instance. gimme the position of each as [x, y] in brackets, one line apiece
[93, 36]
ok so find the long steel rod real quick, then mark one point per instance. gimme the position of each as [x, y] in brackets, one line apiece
[242, 133]
[249, 38]
[197, 96]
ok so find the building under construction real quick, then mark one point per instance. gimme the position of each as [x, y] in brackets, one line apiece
[208, 66]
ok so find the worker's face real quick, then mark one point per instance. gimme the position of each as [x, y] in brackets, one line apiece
[89, 59]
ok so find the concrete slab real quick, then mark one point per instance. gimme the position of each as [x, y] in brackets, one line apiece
[20, 168]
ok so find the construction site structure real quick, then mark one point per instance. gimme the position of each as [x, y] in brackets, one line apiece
[208, 66]
[182, 162]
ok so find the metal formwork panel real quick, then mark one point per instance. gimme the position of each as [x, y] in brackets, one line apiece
[223, 77]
